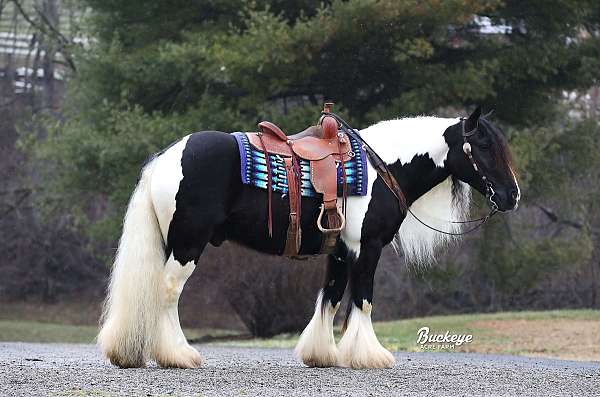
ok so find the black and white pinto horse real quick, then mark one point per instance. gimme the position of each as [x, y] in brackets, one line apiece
[191, 194]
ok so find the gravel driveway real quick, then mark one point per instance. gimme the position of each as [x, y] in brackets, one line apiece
[64, 370]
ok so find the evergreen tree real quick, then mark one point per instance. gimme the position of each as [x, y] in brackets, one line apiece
[158, 70]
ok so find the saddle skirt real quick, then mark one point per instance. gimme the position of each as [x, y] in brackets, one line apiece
[253, 169]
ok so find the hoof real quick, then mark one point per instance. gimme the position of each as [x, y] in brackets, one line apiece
[316, 346]
[120, 348]
[359, 347]
[321, 359]
[373, 358]
[123, 361]
[181, 357]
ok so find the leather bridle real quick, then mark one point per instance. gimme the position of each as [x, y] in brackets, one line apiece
[489, 188]
[388, 178]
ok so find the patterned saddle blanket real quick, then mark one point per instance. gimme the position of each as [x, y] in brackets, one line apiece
[253, 170]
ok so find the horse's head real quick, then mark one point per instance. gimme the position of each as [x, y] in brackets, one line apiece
[479, 156]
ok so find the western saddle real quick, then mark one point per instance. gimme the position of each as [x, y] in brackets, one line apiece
[325, 147]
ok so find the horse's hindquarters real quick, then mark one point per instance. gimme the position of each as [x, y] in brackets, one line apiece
[193, 189]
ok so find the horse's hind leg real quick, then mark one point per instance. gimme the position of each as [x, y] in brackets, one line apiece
[171, 347]
[359, 347]
[316, 347]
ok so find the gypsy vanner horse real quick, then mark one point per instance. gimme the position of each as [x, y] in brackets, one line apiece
[191, 194]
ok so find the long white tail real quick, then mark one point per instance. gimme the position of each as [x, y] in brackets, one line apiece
[129, 322]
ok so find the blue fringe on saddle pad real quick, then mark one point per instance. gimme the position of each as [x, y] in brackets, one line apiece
[254, 170]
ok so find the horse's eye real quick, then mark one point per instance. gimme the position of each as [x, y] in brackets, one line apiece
[484, 146]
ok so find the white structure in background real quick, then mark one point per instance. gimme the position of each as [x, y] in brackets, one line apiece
[25, 57]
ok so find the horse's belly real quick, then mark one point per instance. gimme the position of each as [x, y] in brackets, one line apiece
[248, 222]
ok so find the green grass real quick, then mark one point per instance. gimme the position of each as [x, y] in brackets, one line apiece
[31, 331]
[395, 335]
[401, 335]
[43, 332]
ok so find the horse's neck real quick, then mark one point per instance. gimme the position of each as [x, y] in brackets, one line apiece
[415, 150]
[417, 178]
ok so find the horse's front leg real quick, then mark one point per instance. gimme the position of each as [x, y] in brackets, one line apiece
[359, 347]
[316, 347]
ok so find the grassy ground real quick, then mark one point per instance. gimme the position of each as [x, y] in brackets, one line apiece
[568, 334]
[35, 331]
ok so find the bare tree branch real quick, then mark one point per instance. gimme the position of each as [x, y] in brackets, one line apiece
[18, 203]
[15, 191]
[554, 218]
[64, 39]
[548, 212]
[50, 30]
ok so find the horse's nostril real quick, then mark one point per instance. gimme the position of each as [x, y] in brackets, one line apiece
[514, 194]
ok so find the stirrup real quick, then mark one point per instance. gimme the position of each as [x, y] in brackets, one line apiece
[334, 230]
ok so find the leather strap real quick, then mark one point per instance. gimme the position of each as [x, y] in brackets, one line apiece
[298, 174]
[293, 240]
[269, 185]
[387, 177]
[341, 139]
[330, 238]
[335, 219]
[376, 161]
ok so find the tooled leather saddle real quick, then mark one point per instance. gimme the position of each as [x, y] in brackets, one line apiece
[325, 148]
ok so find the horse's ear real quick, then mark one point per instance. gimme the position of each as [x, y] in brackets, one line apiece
[488, 114]
[472, 121]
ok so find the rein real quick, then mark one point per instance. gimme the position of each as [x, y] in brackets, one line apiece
[489, 189]
[392, 184]
[380, 166]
